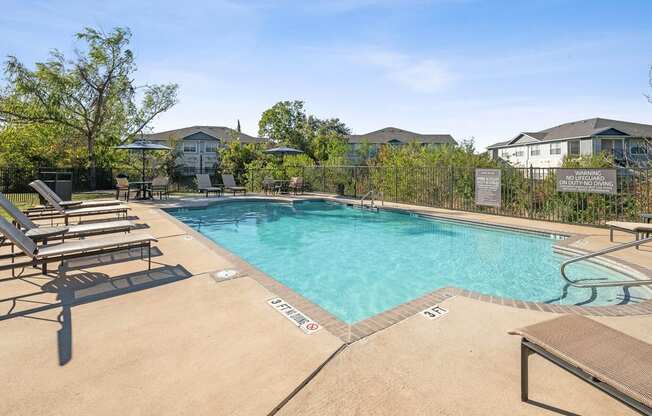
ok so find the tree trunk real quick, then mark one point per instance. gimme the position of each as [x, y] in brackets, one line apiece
[92, 173]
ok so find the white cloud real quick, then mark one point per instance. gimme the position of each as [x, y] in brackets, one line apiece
[424, 75]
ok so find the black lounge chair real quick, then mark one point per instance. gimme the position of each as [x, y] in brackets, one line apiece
[205, 185]
[230, 185]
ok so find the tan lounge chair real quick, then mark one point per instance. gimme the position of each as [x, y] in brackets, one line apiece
[637, 228]
[59, 252]
[44, 190]
[615, 363]
[205, 185]
[58, 211]
[230, 185]
[40, 233]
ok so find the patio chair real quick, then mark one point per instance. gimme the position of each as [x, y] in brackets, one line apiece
[60, 212]
[43, 190]
[296, 184]
[39, 233]
[205, 185]
[122, 188]
[230, 185]
[637, 228]
[615, 363]
[271, 185]
[60, 252]
[160, 186]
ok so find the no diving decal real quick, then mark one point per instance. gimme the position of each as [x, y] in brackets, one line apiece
[434, 312]
[295, 316]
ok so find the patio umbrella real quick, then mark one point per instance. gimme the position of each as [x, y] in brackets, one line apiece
[283, 151]
[143, 146]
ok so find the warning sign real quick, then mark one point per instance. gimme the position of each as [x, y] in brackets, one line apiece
[434, 312]
[295, 316]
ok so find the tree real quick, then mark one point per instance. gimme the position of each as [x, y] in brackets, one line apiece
[235, 157]
[284, 124]
[238, 128]
[92, 96]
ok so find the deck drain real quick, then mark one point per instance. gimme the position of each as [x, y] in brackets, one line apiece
[225, 274]
[188, 237]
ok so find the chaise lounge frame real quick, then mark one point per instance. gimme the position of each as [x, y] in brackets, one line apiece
[610, 377]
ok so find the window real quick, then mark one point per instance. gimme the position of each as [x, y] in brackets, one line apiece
[574, 148]
[189, 147]
[638, 149]
[535, 150]
[519, 153]
[211, 147]
[555, 148]
[504, 153]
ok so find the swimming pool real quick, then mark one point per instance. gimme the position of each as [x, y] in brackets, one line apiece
[356, 264]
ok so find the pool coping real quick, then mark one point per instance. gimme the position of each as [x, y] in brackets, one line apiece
[353, 332]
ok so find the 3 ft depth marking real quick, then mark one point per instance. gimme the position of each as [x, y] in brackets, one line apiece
[295, 316]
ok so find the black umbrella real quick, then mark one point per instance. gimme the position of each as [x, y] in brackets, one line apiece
[283, 151]
[143, 146]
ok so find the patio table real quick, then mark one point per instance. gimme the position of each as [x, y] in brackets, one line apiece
[144, 189]
[282, 185]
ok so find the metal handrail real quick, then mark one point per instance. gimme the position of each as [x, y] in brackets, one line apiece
[599, 253]
[372, 192]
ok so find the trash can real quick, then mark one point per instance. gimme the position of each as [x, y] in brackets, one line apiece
[59, 182]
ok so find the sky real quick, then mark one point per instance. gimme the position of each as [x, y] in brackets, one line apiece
[482, 69]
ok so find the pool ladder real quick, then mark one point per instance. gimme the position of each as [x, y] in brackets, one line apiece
[599, 253]
[370, 195]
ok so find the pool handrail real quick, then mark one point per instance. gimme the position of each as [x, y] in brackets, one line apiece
[632, 282]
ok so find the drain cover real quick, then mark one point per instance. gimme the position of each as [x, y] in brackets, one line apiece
[187, 237]
[225, 274]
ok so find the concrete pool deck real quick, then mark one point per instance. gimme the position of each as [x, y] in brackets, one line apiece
[110, 338]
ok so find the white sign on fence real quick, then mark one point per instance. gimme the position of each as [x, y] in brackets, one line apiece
[487, 187]
[597, 181]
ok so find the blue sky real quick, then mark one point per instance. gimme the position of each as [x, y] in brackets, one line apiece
[480, 68]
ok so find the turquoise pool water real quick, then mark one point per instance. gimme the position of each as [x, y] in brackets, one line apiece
[356, 264]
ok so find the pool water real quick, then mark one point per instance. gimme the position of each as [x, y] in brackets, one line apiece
[356, 264]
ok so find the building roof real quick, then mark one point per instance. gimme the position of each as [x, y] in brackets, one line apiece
[218, 132]
[584, 129]
[389, 134]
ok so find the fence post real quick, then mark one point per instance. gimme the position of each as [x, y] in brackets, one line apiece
[450, 187]
[531, 192]
[355, 182]
[395, 184]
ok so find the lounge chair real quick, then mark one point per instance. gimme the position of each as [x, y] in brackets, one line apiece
[296, 184]
[58, 211]
[45, 191]
[39, 233]
[636, 228]
[615, 363]
[205, 185]
[59, 252]
[231, 186]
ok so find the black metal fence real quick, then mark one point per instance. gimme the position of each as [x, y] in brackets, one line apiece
[526, 192]
[14, 182]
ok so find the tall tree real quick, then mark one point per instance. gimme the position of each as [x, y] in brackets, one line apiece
[284, 123]
[238, 128]
[93, 96]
